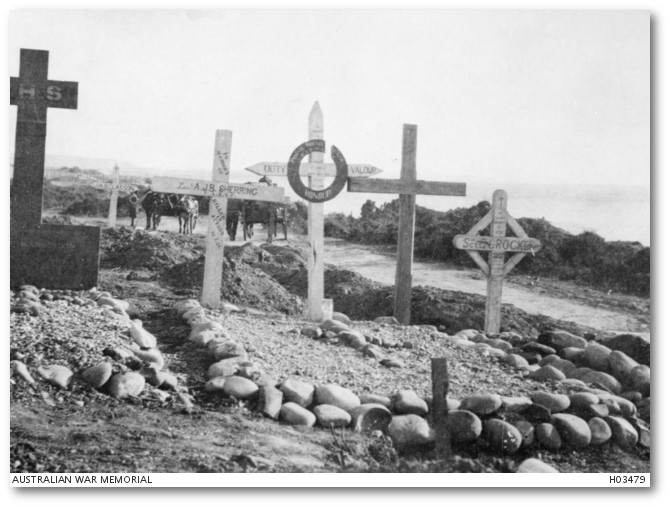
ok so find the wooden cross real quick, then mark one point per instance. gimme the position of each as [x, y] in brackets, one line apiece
[497, 244]
[315, 170]
[115, 186]
[220, 190]
[41, 254]
[408, 187]
[113, 198]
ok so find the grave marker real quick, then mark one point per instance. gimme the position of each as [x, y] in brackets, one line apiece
[440, 380]
[111, 217]
[220, 190]
[407, 187]
[45, 255]
[497, 244]
[316, 169]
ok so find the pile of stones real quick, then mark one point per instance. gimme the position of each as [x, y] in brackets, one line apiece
[591, 415]
[126, 371]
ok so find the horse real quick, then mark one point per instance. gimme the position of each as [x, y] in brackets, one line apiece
[187, 211]
[268, 213]
[155, 205]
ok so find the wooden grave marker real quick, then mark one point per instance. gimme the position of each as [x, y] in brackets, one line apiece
[44, 255]
[408, 187]
[497, 244]
[220, 190]
[316, 170]
[114, 187]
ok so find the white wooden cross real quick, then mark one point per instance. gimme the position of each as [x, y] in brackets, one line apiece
[114, 187]
[496, 245]
[408, 187]
[316, 170]
[220, 190]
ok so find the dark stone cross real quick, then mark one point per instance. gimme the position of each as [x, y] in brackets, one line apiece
[45, 255]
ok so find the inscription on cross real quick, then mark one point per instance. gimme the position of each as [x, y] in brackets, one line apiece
[41, 254]
[496, 245]
[220, 190]
[408, 187]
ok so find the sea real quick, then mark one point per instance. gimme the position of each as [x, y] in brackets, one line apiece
[614, 212]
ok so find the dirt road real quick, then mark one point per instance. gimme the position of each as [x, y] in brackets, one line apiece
[379, 265]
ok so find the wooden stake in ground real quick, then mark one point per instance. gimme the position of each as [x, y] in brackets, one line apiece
[111, 218]
[440, 378]
[408, 187]
[497, 244]
[45, 255]
[220, 190]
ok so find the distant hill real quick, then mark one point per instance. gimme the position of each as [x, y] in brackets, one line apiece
[105, 166]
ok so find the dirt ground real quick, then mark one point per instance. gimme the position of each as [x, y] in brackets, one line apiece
[85, 431]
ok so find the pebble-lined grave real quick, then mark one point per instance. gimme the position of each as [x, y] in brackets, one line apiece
[609, 397]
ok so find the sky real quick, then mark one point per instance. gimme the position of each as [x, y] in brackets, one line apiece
[504, 96]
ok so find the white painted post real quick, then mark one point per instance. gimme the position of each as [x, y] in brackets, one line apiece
[315, 226]
[216, 231]
[114, 197]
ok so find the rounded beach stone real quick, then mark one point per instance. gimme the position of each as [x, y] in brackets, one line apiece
[339, 316]
[604, 379]
[483, 404]
[497, 343]
[572, 382]
[514, 360]
[633, 396]
[560, 339]
[644, 408]
[600, 431]
[527, 431]
[409, 430]
[167, 381]
[548, 359]
[408, 402]
[270, 401]
[515, 403]
[620, 365]
[597, 356]
[532, 357]
[153, 356]
[330, 416]
[353, 339]
[224, 368]
[626, 408]
[20, 369]
[215, 385]
[582, 400]
[240, 387]
[369, 417]
[296, 415]
[464, 426]
[334, 325]
[297, 391]
[623, 432]
[554, 402]
[141, 336]
[311, 331]
[57, 375]
[548, 437]
[547, 372]
[98, 375]
[574, 430]
[123, 385]
[453, 404]
[574, 354]
[227, 350]
[501, 436]
[639, 379]
[535, 466]
[389, 321]
[332, 394]
[368, 398]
